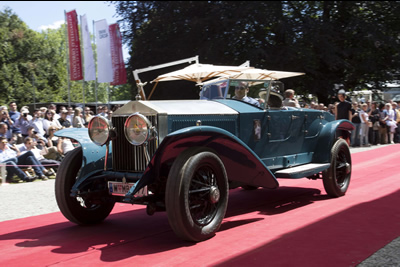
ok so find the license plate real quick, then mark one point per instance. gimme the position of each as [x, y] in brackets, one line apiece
[119, 188]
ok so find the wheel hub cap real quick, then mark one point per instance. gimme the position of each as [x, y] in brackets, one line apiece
[214, 194]
[348, 168]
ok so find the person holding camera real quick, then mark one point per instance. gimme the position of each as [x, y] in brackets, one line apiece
[37, 122]
[5, 118]
[24, 121]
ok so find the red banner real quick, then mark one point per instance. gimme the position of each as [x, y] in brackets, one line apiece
[117, 58]
[75, 59]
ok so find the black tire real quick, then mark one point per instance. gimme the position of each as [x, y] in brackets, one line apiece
[337, 178]
[196, 195]
[70, 207]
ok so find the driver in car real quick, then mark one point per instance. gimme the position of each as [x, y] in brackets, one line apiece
[241, 94]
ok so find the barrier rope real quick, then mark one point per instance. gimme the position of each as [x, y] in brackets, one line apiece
[42, 165]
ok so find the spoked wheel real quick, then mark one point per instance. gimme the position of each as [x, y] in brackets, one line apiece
[76, 209]
[196, 195]
[337, 178]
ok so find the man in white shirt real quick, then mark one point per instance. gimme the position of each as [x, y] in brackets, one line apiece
[70, 115]
[289, 100]
[37, 122]
[29, 145]
[13, 162]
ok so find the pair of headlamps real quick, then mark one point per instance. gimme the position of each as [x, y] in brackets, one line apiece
[138, 130]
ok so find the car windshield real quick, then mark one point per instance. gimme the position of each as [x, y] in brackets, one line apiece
[216, 90]
[257, 89]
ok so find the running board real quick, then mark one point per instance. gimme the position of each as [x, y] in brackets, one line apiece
[302, 170]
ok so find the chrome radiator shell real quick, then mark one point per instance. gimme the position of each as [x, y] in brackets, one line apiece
[125, 156]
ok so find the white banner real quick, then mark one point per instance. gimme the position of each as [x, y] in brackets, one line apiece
[104, 63]
[90, 69]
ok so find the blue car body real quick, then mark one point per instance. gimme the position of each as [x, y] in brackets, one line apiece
[183, 156]
[289, 137]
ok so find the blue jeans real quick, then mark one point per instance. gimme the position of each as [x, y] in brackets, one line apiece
[364, 134]
[355, 135]
[25, 159]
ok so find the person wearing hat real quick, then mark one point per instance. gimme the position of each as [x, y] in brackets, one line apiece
[24, 121]
[343, 108]
[241, 94]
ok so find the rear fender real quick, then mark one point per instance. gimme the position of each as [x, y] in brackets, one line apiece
[328, 136]
[240, 162]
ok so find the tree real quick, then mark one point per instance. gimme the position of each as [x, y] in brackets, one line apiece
[34, 67]
[352, 43]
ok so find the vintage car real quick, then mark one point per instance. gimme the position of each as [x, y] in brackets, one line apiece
[183, 156]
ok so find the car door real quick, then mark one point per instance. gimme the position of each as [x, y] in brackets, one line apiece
[282, 137]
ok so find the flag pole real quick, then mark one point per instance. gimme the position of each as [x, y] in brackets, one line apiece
[67, 54]
[95, 60]
[83, 67]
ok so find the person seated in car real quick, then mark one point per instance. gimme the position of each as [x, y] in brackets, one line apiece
[241, 94]
[274, 100]
[289, 100]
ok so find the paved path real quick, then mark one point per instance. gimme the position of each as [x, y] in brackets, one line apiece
[36, 198]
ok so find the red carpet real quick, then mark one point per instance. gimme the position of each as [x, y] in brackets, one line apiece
[295, 225]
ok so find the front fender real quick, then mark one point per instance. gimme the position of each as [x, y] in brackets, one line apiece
[93, 155]
[327, 137]
[240, 162]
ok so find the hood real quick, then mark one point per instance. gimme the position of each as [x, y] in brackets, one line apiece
[175, 107]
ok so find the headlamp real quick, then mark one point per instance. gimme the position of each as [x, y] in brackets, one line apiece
[138, 129]
[99, 130]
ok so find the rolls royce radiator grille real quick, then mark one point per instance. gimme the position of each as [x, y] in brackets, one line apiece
[125, 156]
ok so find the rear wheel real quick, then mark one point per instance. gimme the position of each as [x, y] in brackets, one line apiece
[76, 209]
[337, 178]
[196, 195]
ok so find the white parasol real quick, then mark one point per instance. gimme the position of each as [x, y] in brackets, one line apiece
[260, 74]
[201, 72]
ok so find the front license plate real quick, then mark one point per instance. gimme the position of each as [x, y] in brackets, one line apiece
[119, 188]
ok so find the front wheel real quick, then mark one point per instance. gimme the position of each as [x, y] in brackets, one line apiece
[77, 210]
[336, 179]
[196, 195]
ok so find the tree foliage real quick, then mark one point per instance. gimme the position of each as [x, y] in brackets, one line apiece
[33, 67]
[351, 43]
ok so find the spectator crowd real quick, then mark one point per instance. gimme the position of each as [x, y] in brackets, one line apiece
[29, 149]
[375, 122]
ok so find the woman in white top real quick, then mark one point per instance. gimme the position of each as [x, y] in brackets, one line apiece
[77, 121]
[64, 146]
[49, 120]
[389, 119]
[364, 117]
